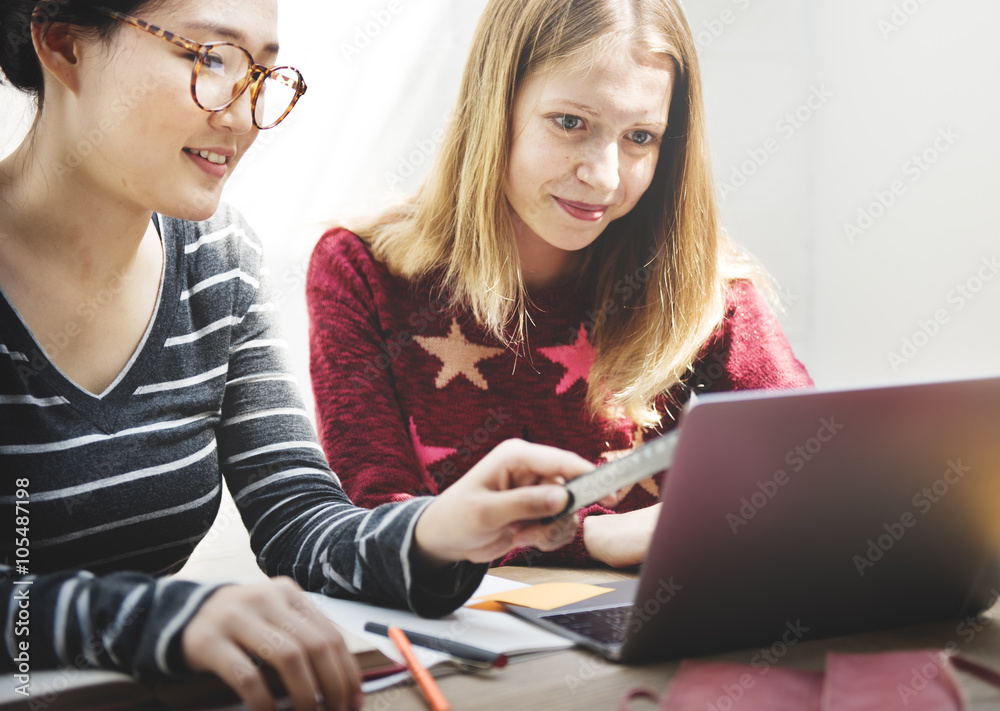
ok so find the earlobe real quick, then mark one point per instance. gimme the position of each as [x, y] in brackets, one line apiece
[58, 51]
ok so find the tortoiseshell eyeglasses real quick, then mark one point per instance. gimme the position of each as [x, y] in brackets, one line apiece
[222, 72]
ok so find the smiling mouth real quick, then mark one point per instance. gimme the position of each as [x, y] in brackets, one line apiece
[582, 210]
[209, 156]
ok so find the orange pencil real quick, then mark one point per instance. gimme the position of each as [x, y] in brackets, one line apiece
[430, 688]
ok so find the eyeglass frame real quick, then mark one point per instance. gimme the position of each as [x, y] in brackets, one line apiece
[254, 79]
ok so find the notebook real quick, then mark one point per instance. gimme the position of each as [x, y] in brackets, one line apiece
[75, 689]
[794, 515]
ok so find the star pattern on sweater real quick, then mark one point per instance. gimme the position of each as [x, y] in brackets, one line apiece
[426, 454]
[648, 484]
[576, 358]
[458, 356]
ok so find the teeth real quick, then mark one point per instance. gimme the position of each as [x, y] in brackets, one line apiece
[212, 157]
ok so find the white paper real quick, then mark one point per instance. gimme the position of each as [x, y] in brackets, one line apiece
[497, 632]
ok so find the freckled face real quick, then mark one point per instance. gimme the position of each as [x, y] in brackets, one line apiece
[154, 148]
[584, 149]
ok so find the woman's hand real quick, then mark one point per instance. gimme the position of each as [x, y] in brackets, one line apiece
[495, 507]
[621, 540]
[275, 623]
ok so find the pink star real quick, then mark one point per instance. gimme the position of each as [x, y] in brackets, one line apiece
[427, 455]
[577, 360]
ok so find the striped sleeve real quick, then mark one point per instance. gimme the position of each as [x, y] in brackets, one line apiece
[301, 522]
[125, 621]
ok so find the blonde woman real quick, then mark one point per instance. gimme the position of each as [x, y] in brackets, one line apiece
[562, 275]
[140, 364]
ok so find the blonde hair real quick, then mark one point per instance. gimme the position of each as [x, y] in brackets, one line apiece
[457, 229]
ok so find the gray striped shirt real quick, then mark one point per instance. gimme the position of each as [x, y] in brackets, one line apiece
[131, 480]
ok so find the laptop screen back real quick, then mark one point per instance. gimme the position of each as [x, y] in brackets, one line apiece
[791, 516]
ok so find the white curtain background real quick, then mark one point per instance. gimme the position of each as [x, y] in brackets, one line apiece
[876, 114]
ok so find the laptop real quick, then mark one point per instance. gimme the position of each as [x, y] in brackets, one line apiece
[795, 515]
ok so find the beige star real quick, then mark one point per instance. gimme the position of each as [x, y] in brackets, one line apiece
[648, 484]
[458, 356]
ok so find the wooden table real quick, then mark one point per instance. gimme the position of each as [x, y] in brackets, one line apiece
[577, 679]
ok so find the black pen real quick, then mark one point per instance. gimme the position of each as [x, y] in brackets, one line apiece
[463, 652]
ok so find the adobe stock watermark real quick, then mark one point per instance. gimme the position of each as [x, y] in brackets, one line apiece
[275, 642]
[292, 282]
[387, 699]
[959, 297]
[19, 33]
[716, 27]
[95, 646]
[901, 13]
[762, 661]
[796, 458]
[968, 629]
[922, 676]
[624, 289]
[471, 444]
[608, 476]
[368, 32]
[923, 501]
[53, 342]
[914, 169]
[264, 140]
[588, 670]
[419, 321]
[788, 296]
[20, 601]
[422, 152]
[642, 613]
[786, 127]
[95, 137]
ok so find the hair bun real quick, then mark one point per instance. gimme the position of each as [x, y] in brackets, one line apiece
[18, 60]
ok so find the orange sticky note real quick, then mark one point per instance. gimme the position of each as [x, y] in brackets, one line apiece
[546, 596]
[487, 605]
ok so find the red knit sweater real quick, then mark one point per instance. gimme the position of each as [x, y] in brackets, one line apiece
[411, 395]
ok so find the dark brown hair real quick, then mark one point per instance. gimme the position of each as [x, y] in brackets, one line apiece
[18, 62]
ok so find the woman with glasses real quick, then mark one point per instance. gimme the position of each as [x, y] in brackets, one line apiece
[140, 364]
[562, 275]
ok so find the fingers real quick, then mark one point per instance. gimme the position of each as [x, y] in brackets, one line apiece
[335, 667]
[310, 655]
[528, 463]
[621, 540]
[267, 643]
[609, 501]
[548, 538]
[230, 663]
[524, 504]
[510, 485]
[274, 623]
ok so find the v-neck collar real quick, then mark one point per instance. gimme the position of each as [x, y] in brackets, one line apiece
[105, 409]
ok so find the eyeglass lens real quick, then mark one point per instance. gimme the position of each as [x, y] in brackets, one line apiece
[222, 74]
